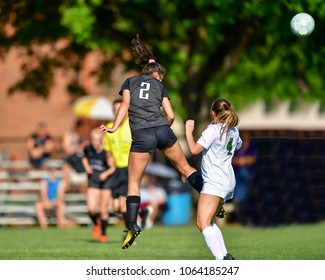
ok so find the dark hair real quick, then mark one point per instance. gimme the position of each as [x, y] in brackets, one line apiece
[225, 114]
[145, 58]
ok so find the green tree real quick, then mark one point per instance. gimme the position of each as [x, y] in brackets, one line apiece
[29, 24]
[241, 50]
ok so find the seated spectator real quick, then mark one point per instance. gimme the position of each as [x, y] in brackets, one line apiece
[73, 169]
[51, 198]
[153, 198]
[40, 146]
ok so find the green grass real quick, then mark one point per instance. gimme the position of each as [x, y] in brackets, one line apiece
[299, 242]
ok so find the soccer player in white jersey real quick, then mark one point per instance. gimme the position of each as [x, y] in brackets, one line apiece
[217, 143]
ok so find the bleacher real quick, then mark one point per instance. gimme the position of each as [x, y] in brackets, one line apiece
[19, 190]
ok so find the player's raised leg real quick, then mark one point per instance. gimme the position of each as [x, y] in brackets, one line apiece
[176, 155]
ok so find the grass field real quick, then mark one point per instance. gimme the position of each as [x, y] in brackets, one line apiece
[298, 242]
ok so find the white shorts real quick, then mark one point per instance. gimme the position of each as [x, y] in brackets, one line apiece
[213, 190]
[76, 179]
[157, 194]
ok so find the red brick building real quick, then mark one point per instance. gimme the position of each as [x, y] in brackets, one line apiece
[21, 111]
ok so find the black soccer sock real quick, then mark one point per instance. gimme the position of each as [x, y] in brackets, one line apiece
[132, 208]
[94, 217]
[196, 180]
[104, 225]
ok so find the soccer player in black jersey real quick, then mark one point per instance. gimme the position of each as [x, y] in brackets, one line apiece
[143, 96]
[99, 166]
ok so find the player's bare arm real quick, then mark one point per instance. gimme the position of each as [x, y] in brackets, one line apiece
[86, 165]
[195, 148]
[111, 163]
[168, 110]
[121, 113]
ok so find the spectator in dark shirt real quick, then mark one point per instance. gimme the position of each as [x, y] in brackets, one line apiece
[40, 146]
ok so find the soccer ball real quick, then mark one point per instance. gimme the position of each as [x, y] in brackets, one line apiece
[302, 24]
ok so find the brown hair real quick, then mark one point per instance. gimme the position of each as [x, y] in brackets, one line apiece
[145, 58]
[224, 113]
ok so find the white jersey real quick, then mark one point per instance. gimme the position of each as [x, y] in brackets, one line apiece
[217, 171]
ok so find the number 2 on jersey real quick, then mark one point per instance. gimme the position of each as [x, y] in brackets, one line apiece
[144, 91]
[229, 146]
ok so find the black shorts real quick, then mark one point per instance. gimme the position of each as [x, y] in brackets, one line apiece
[119, 182]
[150, 139]
[95, 182]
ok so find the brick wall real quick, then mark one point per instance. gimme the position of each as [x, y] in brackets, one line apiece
[20, 112]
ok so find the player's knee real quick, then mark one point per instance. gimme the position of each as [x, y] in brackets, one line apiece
[92, 210]
[203, 222]
[200, 224]
[103, 216]
[39, 205]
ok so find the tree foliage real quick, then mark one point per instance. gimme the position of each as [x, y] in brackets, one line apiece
[241, 50]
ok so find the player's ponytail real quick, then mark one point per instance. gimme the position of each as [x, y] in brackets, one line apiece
[224, 113]
[145, 58]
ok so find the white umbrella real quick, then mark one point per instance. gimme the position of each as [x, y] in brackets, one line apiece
[93, 107]
[161, 170]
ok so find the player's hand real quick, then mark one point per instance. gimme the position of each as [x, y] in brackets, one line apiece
[189, 126]
[89, 170]
[104, 129]
[103, 176]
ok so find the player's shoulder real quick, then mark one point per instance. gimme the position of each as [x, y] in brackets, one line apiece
[88, 148]
[138, 78]
[131, 81]
[235, 130]
[133, 78]
[212, 129]
[215, 127]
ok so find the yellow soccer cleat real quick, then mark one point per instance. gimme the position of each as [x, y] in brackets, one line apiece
[130, 236]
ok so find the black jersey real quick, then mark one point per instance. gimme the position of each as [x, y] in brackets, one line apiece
[41, 141]
[75, 161]
[147, 94]
[97, 161]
